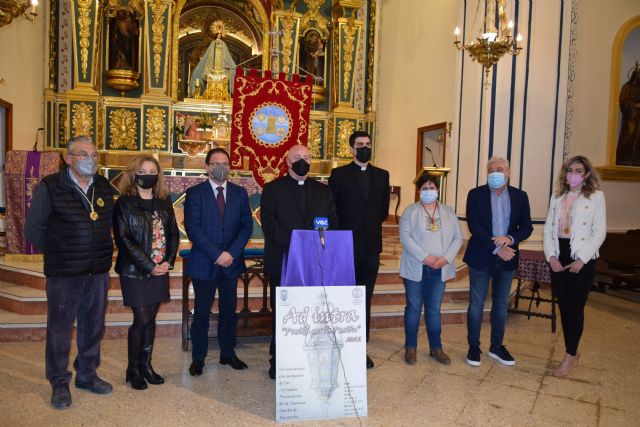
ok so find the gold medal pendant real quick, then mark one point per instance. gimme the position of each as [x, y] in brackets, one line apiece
[566, 230]
[100, 202]
[435, 227]
[93, 215]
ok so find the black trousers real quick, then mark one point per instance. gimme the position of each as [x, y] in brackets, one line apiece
[205, 292]
[69, 298]
[367, 266]
[572, 291]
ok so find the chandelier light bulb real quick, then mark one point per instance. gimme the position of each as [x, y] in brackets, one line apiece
[510, 24]
[519, 38]
[34, 4]
[456, 32]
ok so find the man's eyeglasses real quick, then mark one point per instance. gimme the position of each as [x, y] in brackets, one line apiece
[225, 164]
[85, 156]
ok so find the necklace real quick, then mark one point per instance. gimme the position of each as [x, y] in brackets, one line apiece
[431, 223]
[93, 215]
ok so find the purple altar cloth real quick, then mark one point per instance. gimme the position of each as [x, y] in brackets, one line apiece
[307, 264]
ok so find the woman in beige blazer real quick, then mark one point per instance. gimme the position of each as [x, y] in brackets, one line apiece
[431, 238]
[575, 228]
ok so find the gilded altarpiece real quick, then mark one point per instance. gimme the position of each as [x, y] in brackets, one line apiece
[329, 40]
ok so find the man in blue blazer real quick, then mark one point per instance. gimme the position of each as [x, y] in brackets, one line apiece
[499, 218]
[218, 221]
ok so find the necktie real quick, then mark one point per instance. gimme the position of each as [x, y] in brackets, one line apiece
[220, 200]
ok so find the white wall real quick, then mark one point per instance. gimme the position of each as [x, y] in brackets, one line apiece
[599, 21]
[420, 76]
[23, 67]
[520, 114]
[416, 65]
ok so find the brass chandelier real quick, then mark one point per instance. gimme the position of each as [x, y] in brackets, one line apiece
[10, 9]
[491, 43]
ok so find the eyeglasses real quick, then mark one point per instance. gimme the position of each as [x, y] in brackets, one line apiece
[85, 156]
[225, 164]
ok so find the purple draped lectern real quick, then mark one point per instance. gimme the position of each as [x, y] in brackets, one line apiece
[307, 263]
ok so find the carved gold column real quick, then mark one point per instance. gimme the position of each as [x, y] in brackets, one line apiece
[371, 54]
[81, 112]
[287, 27]
[86, 42]
[158, 29]
[346, 33]
[346, 36]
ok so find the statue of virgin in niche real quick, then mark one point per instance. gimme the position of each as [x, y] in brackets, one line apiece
[216, 68]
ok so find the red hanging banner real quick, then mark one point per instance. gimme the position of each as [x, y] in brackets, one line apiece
[269, 116]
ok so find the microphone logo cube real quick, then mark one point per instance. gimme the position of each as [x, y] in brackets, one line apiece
[320, 223]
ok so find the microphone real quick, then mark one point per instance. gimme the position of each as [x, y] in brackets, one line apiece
[435, 165]
[321, 223]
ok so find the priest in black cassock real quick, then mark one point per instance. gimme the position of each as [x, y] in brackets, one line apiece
[290, 203]
[361, 193]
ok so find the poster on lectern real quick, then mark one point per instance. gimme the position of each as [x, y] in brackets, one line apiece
[320, 353]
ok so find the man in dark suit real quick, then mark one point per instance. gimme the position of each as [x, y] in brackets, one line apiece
[361, 193]
[218, 220]
[290, 203]
[499, 218]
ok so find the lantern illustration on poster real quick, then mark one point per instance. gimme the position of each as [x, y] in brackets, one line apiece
[323, 347]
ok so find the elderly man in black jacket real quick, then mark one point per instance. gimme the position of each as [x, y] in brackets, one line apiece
[361, 192]
[290, 203]
[70, 221]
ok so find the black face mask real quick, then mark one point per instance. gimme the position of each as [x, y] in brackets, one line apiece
[146, 181]
[300, 167]
[363, 154]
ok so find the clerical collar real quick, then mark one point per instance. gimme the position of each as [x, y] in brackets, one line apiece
[362, 168]
[299, 182]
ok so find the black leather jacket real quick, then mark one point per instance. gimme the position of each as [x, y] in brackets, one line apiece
[133, 233]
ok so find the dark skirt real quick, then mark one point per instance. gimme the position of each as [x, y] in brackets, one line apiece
[143, 292]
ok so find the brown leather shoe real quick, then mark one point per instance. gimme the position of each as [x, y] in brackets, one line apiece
[410, 356]
[440, 356]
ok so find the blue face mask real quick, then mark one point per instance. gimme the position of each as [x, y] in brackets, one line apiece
[496, 180]
[428, 196]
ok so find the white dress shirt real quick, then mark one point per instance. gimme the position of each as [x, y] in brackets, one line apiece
[215, 188]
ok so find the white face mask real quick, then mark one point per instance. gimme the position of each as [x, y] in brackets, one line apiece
[428, 196]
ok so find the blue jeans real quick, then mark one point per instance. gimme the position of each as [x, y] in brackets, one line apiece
[501, 287]
[428, 291]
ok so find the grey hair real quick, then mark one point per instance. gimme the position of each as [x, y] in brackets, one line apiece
[79, 138]
[498, 159]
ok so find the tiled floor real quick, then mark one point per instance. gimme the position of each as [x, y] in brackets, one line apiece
[603, 390]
